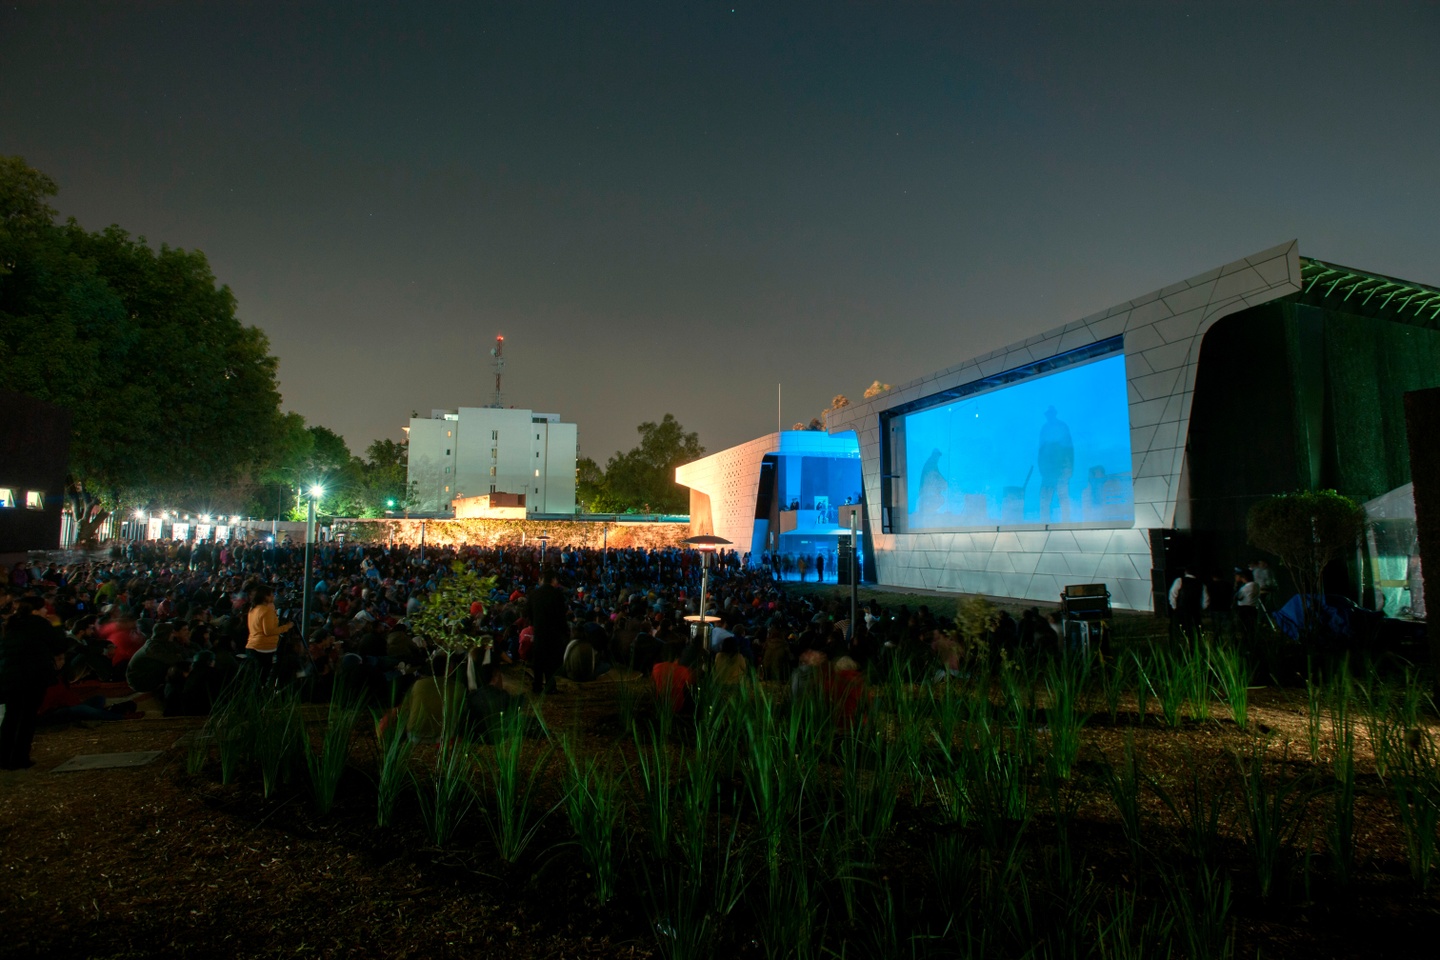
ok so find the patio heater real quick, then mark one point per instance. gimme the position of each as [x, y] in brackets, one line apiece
[706, 544]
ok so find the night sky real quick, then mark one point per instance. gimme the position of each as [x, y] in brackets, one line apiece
[672, 207]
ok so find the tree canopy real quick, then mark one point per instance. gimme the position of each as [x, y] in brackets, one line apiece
[641, 480]
[1307, 531]
[169, 392]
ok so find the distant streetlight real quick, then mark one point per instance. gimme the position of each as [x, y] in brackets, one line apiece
[706, 544]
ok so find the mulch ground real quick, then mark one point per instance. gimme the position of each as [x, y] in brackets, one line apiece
[154, 862]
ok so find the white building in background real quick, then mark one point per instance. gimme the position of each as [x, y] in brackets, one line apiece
[476, 451]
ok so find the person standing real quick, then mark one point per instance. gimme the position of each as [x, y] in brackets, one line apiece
[1188, 602]
[547, 613]
[27, 666]
[1247, 597]
[819, 568]
[265, 627]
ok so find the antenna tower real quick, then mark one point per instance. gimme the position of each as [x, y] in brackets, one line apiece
[497, 363]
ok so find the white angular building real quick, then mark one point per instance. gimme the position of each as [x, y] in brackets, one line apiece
[476, 451]
[1122, 446]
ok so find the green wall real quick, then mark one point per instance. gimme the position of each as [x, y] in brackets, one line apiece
[1292, 395]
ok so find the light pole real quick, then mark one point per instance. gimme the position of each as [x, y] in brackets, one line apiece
[544, 538]
[316, 492]
[706, 544]
[854, 571]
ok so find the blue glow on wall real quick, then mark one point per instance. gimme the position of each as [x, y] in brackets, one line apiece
[1052, 450]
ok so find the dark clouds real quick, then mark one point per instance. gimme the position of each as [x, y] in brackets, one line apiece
[671, 207]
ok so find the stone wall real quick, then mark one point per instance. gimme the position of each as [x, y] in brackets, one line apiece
[491, 533]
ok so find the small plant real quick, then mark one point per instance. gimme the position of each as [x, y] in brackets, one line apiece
[232, 725]
[628, 698]
[1202, 913]
[657, 785]
[1128, 936]
[1273, 814]
[450, 795]
[1416, 790]
[1164, 675]
[510, 811]
[1340, 831]
[1065, 679]
[1199, 809]
[1314, 706]
[1123, 785]
[393, 768]
[278, 729]
[1195, 669]
[327, 766]
[1116, 676]
[1232, 676]
[197, 752]
[594, 805]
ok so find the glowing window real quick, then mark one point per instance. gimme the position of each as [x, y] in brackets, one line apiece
[7, 497]
[449, 433]
[447, 489]
[34, 500]
[537, 473]
[492, 471]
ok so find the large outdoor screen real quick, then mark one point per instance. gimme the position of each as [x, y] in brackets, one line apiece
[1054, 449]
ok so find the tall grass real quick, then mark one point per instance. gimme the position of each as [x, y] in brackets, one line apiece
[1274, 810]
[232, 725]
[1314, 710]
[655, 764]
[595, 806]
[450, 794]
[327, 765]
[1340, 829]
[278, 731]
[1232, 674]
[1201, 908]
[510, 811]
[392, 762]
[869, 788]
[1163, 676]
[1415, 787]
[1199, 809]
[1123, 785]
[1130, 933]
[1065, 680]
[630, 696]
[1116, 676]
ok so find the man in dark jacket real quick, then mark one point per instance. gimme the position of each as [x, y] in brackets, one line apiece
[547, 613]
[27, 665]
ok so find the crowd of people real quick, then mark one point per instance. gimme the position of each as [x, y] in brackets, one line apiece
[175, 622]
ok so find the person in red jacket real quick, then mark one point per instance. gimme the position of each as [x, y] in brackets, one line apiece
[124, 638]
[672, 680]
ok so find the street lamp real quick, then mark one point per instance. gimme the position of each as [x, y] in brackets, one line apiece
[316, 492]
[544, 538]
[706, 544]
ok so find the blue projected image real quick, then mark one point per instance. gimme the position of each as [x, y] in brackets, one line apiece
[1054, 449]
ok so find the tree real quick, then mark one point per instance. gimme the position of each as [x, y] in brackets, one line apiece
[445, 615]
[644, 478]
[171, 395]
[1307, 531]
[875, 389]
[591, 491]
